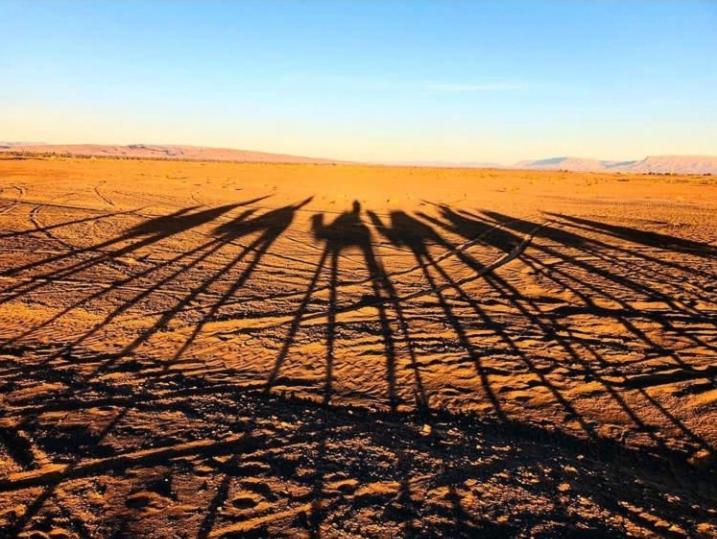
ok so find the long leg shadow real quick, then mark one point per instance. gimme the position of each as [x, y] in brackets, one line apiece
[156, 226]
[574, 239]
[162, 226]
[468, 227]
[123, 282]
[155, 230]
[593, 227]
[45, 229]
[645, 237]
[347, 231]
[406, 231]
[151, 231]
[467, 224]
[421, 396]
[272, 224]
[204, 251]
[296, 322]
[569, 239]
[587, 245]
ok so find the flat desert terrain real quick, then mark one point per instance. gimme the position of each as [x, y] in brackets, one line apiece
[204, 349]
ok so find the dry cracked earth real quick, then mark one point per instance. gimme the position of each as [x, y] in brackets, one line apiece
[243, 350]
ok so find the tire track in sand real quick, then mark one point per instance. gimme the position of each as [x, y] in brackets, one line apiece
[14, 203]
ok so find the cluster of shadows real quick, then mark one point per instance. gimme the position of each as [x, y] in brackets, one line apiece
[418, 234]
[505, 232]
[265, 229]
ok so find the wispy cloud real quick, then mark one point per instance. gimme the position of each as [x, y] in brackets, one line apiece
[469, 88]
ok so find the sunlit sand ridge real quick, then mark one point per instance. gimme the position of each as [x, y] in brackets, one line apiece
[222, 349]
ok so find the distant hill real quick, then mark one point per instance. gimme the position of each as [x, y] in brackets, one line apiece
[564, 163]
[681, 164]
[658, 164]
[676, 164]
[157, 151]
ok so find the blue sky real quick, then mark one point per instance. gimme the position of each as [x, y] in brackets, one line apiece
[372, 80]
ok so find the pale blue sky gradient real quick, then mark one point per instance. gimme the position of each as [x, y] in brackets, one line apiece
[372, 80]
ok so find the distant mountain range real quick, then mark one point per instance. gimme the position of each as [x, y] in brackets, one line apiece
[675, 164]
[156, 151]
[656, 164]
[662, 164]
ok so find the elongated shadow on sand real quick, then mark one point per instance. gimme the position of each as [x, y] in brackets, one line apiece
[151, 232]
[346, 232]
[643, 237]
[406, 231]
[269, 225]
[632, 246]
[469, 226]
[590, 246]
[624, 279]
[158, 229]
[501, 233]
[47, 228]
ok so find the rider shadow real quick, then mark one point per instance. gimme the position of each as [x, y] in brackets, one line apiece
[643, 237]
[346, 232]
[407, 231]
[505, 237]
[143, 235]
[151, 231]
[272, 225]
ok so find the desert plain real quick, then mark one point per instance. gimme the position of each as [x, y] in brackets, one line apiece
[208, 349]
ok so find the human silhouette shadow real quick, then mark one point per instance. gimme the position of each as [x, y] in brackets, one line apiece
[271, 225]
[644, 237]
[405, 231]
[500, 233]
[347, 231]
[142, 235]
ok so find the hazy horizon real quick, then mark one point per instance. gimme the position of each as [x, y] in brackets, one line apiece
[376, 81]
[533, 161]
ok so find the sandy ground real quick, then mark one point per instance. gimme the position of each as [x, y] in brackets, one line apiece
[198, 349]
